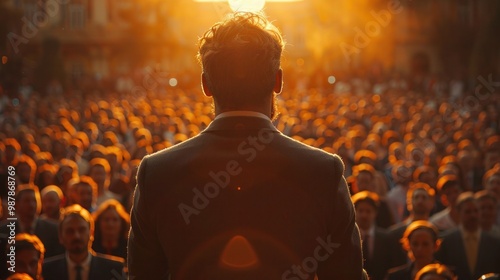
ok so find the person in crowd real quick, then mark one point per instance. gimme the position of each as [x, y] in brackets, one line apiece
[491, 182]
[67, 171]
[46, 175]
[376, 241]
[28, 208]
[52, 201]
[83, 191]
[487, 203]
[112, 223]
[100, 172]
[26, 169]
[362, 180]
[396, 198]
[420, 201]
[449, 189]
[420, 241]
[435, 272]
[29, 255]
[379, 181]
[240, 58]
[75, 154]
[481, 250]
[76, 231]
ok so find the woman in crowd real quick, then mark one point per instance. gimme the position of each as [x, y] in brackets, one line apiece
[421, 241]
[111, 229]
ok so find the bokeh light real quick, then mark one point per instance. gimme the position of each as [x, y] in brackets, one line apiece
[246, 5]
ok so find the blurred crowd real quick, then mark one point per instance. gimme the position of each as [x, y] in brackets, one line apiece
[423, 166]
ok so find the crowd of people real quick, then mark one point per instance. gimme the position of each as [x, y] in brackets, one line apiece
[423, 170]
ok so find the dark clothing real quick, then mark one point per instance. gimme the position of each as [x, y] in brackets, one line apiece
[452, 253]
[46, 231]
[119, 251]
[102, 267]
[242, 187]
[399, 256]
[402, 272]
[379, 262]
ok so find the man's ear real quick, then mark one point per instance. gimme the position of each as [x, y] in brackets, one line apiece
[278, 83]
[204, 85]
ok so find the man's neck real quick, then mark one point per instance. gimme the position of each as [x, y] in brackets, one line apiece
[78, 258]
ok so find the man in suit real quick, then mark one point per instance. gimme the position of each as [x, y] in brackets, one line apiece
[376, 242]
[76, 231]
[470, 251]
[28, 206]
[241, 200]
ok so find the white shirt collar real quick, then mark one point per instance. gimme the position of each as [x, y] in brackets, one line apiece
[242, 114]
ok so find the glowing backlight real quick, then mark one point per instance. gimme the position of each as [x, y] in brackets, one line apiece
[247, 5]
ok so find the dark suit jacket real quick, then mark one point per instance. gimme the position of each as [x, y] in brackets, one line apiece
[288, 202]
[379, 262]
[102, 267]
[401, 272]
[452, 253]
[399, 256]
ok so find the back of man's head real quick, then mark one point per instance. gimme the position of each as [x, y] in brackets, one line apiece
[240, 58]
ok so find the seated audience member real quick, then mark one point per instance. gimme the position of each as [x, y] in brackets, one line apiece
[83, 191]
[52, 199]
[29, 255]
[362, 180]
[470, 251]
[420, 240]
[487, 203]
[420, 200]
[448, 188]
[28, 207]
[112, 223]
[76, 231]
[375, 240]
[435, 272]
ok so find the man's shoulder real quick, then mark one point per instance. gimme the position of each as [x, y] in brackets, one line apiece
[54, 260]
[108, 259]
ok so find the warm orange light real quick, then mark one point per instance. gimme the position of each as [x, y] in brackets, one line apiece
[4, 59]
[239, 254]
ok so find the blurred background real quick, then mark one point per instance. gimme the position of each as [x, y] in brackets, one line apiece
[75, 43]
